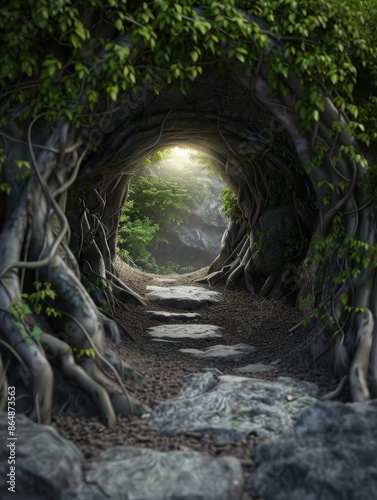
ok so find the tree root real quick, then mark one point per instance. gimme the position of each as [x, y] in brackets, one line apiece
[79, 377]
[114, 330]
[358, 373]
[336, 392]
[125, 371]
[269, 284]
[122, 291]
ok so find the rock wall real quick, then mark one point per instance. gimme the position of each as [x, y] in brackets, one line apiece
[197, 242]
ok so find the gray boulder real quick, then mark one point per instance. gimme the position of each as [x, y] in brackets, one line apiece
[45, 462]
[133, 473]
[182, 297]
[197, 242]
[86, 492]
[329, 455]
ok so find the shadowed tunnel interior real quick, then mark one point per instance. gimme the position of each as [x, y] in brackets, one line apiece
[253, 154]
[283, 190]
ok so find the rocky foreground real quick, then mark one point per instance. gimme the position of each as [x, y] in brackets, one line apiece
[232, 424]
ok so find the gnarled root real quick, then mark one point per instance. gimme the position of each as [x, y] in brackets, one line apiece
[124, 370]
[336, 392]
[122, 403]
[358, 372]
[39, 375]
[62, 357]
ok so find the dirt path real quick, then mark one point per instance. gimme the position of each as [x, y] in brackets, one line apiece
[246, 319]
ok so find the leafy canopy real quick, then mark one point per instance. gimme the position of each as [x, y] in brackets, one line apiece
[75, 58]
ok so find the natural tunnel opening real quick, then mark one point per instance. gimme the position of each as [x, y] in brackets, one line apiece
[87, 107]
[275, 217]
[174, 215]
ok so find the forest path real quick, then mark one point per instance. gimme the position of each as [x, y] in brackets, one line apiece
[258, 328]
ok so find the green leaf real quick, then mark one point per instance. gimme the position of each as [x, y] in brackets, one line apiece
[194, 56]
[23, 163]
[75, 41]
[80, 30]
[36, 333]
[334, 78]
[119, 25]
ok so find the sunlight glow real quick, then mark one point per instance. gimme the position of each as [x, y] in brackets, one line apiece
[180, 158]
[177, 151]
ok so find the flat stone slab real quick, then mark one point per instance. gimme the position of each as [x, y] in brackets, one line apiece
[330, 454]
[182, 297]
[232, 407]
[165, 280]
[169, 316]
[222, 353]
[257, 368]
[185, 333]
[139, 473]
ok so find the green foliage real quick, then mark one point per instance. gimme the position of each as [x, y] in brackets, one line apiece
[30, 303]
[83, 353]
[135, 236]
[230, 205]
[4, 186]
[35, 301]
[42, 292]
[153, 210]
[158, 199]
[49, 50]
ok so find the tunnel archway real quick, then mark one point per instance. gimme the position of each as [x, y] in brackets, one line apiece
[253, 139]
[254, 134]
[245, 147]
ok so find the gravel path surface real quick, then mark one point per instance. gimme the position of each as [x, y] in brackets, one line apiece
[245, 318]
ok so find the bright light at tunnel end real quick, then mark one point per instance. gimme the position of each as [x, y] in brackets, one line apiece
[182, 152]
[180, 157]
[177, 151]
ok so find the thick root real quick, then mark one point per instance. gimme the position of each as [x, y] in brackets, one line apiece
[358, 373]
[122, 403]
[77, 376]
[124, 370]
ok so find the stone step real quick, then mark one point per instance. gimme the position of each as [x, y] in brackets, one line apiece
[257, 368]
[185, 333]
[222, 353]
[182, 297]
[170, 316]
